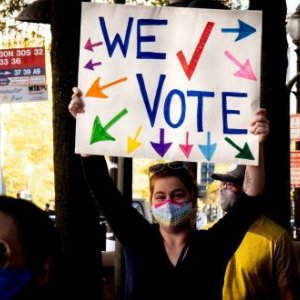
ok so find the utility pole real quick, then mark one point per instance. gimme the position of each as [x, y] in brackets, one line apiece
[293, 28]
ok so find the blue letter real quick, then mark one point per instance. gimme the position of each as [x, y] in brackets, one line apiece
[225, 112]
[200, 95]
[117, 40]
[151, 113]
[167, 108]
[149, 38]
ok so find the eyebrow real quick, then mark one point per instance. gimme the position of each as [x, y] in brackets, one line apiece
[172, 192]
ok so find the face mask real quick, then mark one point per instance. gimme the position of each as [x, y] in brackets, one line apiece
[171, 214]
[12, 281]
[228, 199]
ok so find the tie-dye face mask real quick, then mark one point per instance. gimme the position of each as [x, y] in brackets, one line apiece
[171, 214]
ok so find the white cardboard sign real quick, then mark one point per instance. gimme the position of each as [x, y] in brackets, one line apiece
[169, 83]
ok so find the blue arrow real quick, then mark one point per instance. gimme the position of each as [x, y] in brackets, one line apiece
[243, 31]
[209, 149]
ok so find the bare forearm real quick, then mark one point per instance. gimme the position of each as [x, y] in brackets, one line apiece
[254, 182]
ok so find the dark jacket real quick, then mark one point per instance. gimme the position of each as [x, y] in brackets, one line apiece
[149, 273]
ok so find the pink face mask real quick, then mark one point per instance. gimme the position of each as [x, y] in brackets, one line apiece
[172, 214]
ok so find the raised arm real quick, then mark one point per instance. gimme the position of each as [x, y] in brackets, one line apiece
[126, 222]
[254, 181]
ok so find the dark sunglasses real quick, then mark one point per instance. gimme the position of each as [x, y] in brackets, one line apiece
[175, 165]
[5, 253]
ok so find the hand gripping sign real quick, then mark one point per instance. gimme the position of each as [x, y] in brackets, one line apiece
[169, 83]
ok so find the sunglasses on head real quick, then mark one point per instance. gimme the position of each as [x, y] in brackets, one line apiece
[5, 253]
[175, 165]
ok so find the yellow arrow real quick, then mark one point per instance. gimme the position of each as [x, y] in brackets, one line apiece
[96, 90]
[132, 143]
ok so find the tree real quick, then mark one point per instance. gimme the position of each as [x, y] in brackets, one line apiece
[7, 9]
[275, 99]
[77, 215]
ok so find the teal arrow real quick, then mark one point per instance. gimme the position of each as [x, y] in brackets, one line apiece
[99, 132]
[245, 152]
[208, 149]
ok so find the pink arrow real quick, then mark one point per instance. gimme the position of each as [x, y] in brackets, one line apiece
[245, 70]
[89, 46]
[187, 148]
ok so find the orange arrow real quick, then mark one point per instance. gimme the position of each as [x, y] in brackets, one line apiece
[96, 90]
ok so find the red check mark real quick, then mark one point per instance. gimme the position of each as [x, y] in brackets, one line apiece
[189, 69]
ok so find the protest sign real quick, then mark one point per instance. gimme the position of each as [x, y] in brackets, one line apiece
[22, 75]
[169, 83]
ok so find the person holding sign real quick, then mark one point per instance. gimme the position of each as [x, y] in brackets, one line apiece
[171, 259]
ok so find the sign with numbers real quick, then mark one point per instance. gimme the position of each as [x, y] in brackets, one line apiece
[295, 168]
[22, 75]
[295, 127]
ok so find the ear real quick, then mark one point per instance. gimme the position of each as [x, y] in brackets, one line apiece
[44, 275]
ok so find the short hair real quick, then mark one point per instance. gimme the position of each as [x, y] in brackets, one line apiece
[38, 235]
[183, 174]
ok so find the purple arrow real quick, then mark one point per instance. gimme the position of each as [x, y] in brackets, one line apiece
[90, 65]
[161, 148]
[89, 46]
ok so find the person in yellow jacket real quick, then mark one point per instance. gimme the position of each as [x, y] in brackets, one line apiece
[265, 265]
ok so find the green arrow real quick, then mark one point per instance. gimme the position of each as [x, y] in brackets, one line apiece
[245, 152]
[99, 132]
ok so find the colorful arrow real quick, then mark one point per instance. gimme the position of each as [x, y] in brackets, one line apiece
[90, 65]
[132, 143]
[186, 148]
[245, 70]
[161, 148]
[99, 132]
[208, 149]
[243, 31]
[244, 153]
[96, 90]
[89, 46]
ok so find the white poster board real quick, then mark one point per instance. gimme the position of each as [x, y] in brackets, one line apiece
[169, 83]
